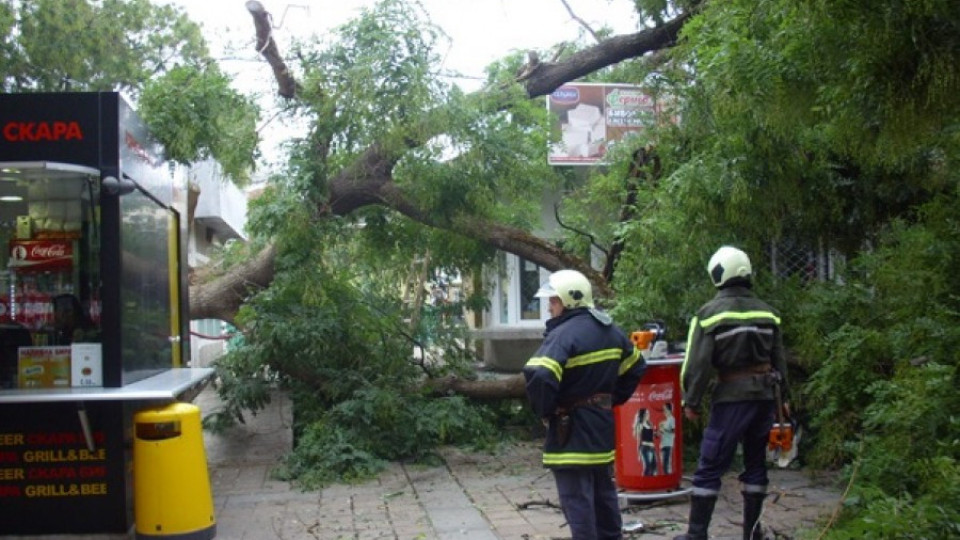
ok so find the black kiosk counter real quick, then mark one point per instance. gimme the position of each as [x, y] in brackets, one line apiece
[92, 307]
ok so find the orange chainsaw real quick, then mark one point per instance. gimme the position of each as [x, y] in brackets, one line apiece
[784, 436]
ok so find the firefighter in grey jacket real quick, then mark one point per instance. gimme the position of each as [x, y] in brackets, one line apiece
[735, 338]
[585, 366]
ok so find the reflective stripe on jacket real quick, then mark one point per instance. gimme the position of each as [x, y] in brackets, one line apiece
[579, 358]
[732, 333]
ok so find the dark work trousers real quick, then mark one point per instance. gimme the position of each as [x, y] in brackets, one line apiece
[746, 422]
[589, 500]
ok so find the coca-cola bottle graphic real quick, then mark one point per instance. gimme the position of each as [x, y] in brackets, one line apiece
[5, 297]
[26, 301]
[95, 308]
[40, 270]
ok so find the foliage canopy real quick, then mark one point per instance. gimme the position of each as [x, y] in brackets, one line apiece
[152, 53]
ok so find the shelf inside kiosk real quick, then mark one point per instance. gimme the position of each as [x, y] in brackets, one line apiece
[49, 276]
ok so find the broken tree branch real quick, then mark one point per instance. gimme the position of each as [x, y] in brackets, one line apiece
[267, 46]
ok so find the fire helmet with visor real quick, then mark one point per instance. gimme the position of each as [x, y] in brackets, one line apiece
[729, 263]
[571, 287]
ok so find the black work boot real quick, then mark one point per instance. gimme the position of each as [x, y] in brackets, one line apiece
[752, 508]
[701, 509]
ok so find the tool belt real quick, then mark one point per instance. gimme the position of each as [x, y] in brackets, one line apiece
[758, 369]
[564, 419]
[604, 401]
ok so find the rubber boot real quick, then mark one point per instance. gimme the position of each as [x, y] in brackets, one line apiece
[752, 508]
[701, 509]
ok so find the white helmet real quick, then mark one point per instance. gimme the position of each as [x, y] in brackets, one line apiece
[570, 286]
[728, 263]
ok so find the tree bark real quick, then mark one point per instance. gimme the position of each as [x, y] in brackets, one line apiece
[267, 46]
[492, 389]
[222, 297]
[550, 76]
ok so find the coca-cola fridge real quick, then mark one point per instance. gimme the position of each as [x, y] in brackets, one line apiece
[39, 271]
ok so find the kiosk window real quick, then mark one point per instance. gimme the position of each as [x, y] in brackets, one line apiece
[144, 285]
[49, 270]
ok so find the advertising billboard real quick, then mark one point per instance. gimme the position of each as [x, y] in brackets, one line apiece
[587, 119]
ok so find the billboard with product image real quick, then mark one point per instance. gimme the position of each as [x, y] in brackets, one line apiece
[588, 118]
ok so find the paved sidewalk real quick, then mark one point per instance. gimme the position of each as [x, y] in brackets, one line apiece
[475, 496]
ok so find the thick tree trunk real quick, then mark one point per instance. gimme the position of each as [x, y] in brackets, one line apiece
[490, 389]
[222, 297]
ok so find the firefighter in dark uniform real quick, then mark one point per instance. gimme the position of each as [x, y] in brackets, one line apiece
[585, 366]
[735, 338]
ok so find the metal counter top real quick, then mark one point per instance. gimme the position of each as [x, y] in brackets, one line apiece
[165, 386]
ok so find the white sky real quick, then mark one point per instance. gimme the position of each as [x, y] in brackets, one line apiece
[480, 31]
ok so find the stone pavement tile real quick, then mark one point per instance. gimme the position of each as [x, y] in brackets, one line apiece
[368, 502]
[251, 477]
[374, 535]
[408, 517]
[230, 524]
[245, 525]
[419, 524]
[514, 532]
[493, 502]
[297, 519]
[223, 479]
[511, 519]
[454, 523]
[415, 534]
[268, 516]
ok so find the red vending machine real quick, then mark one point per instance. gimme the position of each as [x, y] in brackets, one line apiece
[649, 439]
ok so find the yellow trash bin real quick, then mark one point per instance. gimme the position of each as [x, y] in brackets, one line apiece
[172, 496]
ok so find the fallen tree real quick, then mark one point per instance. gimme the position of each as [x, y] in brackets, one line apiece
[369, 182]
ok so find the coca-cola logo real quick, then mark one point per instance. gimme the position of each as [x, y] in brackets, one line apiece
[654, 393]
[51, 251]
[40, 251]
[665, 395]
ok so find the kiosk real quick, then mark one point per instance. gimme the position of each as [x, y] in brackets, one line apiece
[92, 307]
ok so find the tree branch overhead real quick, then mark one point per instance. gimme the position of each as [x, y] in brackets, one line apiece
[267, 46]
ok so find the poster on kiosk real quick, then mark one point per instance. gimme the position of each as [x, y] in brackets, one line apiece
[92, 297]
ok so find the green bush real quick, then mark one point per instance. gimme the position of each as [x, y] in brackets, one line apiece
[881, 348]
[357, 437]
